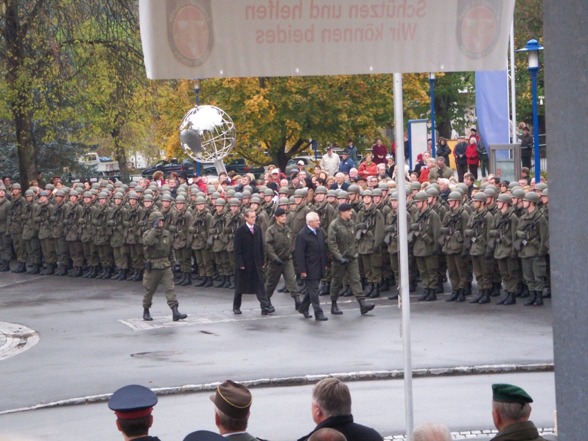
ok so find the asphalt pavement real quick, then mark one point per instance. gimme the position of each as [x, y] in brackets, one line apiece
[90, 340]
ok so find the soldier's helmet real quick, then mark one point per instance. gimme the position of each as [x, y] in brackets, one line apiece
[421, 196]
[255, 200]
[220, 201]
[545, 192]
[394, 196]
[215, 195]
[367, 193]
[321, 190]
[432, 191]
[463, 187]
[479, 196]
[540, 186]
[454, 196]
[166, 197]
[353, 189]
[155, 216]
[332, 193]
[490, 192]
[284, 190]
[283, 201]
[415, 186]
[502, 197]
[16, 186]
[376, 192]
[238, 195]
[234, 202]
[49, 187]
[383, 186]
[230, 193]
[132, 195]
[103, 195]
[29, 193]
[200, 200]
[59, 193]
[118, 195]
[299, 193]
[518, 193]
[268, 192]
[179, 199]
[148, 198]
[2, 186]
[342, 194]
[44, 193]
[531, 196]
[246, 194]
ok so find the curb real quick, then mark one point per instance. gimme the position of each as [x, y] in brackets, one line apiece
[305, 380]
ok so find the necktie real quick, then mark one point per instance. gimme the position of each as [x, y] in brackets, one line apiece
[252, 230]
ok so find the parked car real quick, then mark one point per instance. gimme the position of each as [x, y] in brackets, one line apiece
[240, 167]
[187, 166]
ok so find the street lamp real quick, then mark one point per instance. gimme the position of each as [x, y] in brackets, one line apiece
[432, 93]
[532, 48]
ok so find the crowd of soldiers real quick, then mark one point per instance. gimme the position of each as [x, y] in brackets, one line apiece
[496, 233]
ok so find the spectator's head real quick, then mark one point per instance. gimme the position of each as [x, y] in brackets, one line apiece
[330, 397]
[133, 406]
[368, 158]
[440, 161]
[431, 432]
[327, 434]
[510, 404]
[232, 402]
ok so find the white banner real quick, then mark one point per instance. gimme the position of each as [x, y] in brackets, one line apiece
[197, 39]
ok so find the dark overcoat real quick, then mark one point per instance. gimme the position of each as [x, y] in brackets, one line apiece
[351, 430]
[311, 253]
[249, 254]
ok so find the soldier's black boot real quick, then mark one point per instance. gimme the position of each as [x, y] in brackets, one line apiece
[94, 272]
[424, 296]
[439, 289]
[347, 292]
[320, 316]
[139, 276]
[525, 291]
[496, 287]
[335, 309]
[503, 300]
[325, 289]
[468, 289]
[201, 282]
[486, 297]
[511, 299]
[50, 270]
[20, 268]
[122, 275]
[231, 282]
[130, 275]
[177, 315]
[188, 279]
[394, 295]
[227, 282]
[102, 272]
[369, 289]
[75, 272]
[221, 282]
[181, 280]
[208, 283]
[412, 286]
[385, 287]
[107, 273]
[58, 270]
[3, 266]
[146, 315]
[453, 297]
[35, 269]
[460, 295]
[531, 300]
[432, 297]
[43, 271]
[547, 292]
[365, 307]
[376, 291]
[538, 298]
[480, 296]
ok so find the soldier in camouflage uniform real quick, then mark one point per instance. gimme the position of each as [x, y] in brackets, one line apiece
[370, 236]
[46, 240]
[202, 250]
[453, 228]
[115, 220]
[102, 233]
[278, 254]
[382, 204]
[391, 240]
[502, 231]
[262, 220]
[426, 230]
[531, 244]
[15, 227]
[87, 236]
[268, 205]
[439, 208]
[30, 233]
[57, 210]
[233, 220]
[159, 258]
[343, 248]
[5, 250]
[132, 236]
[180, 224]
[217, 240]
[73, 213]
[482, 255]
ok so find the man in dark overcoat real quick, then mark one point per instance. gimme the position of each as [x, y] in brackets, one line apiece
[311, 261]
[249, 263]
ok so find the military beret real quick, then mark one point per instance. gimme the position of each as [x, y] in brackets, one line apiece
[509, 393]
[204, 435]
[344, 207]
[232, 399]
[132, 401]
[279, 212]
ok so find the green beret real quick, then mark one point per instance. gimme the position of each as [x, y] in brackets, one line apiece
[509, 393]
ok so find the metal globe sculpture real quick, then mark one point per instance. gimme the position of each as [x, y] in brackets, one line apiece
[207, 134]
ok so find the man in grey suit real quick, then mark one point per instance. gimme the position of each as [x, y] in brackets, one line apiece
[232, 402]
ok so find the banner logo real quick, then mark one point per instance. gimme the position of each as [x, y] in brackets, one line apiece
[189, 25]
[478, 27]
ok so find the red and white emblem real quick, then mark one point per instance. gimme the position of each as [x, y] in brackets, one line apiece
[190, 32]
[478, 29]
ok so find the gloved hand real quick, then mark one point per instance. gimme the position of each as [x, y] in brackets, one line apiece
[278, 261]
[343, 261]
